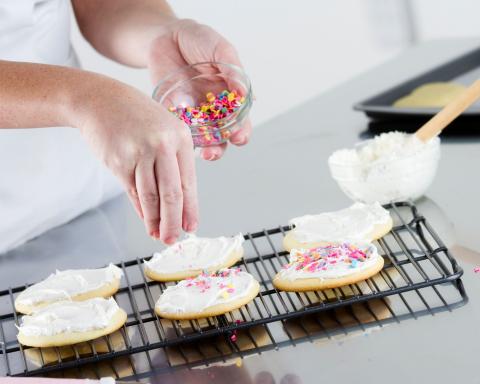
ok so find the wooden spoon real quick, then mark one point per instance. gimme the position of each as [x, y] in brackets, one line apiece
[450, 112]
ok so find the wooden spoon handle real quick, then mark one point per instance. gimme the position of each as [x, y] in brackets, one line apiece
[450, 112]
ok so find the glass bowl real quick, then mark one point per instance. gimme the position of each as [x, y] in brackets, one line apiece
[189, 86]
[402, 178]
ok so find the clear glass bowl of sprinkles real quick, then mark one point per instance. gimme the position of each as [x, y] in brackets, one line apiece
[212, 98]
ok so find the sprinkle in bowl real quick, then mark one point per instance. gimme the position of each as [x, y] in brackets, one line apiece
[212, 98]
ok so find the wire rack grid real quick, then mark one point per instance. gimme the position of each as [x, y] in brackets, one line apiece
[416, 260]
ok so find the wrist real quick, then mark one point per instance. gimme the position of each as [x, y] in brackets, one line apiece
[99, 100]
[88, 95]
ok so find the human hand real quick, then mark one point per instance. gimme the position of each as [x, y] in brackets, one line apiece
[186, 42]
[149, 149]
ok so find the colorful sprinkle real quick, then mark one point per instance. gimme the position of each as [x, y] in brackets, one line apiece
[325, 257]
[476, 269]
[212, 112]
[206, 280]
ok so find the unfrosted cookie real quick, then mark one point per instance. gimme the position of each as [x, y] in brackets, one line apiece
[357, 223]
[189, 257]
[207, 295]
[72, 284]
[70, 322]
[328, 266]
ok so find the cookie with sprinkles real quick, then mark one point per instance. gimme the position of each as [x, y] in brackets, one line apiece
[209, 294]
[328, 266]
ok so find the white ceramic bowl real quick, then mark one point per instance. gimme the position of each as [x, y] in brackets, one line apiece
[403, 178]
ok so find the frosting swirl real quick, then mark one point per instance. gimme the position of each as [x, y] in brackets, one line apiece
[69, 316]
[195, 253]
[63, 285]
[355, 223]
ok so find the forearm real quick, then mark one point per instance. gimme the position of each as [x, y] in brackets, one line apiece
[123, 29]
[144, 145]
[37, 95]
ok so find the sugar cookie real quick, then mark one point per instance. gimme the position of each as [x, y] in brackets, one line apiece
[328, 266]
[70, 322]
[189, 257]
[357, 223]
[207, 295]
[72, 284]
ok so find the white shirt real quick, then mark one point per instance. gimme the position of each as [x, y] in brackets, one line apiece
[48, 176]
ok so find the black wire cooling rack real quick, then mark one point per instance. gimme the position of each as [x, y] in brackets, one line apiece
[420, 277]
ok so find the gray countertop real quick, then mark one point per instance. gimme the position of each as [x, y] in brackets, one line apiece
[283, 173]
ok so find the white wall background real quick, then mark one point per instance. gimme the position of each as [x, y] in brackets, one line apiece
[435, 19]
[293, 50]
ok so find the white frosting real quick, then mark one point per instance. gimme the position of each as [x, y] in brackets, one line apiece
[391, 167]
[206, 290]
[355, 223]
[63, 285]
[195, 253]
[69, 316]
[329, 262]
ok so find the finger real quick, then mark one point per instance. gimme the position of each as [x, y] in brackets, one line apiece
[242, 135]
[148, 196]
[226, 53]
[214, 152]
[171, 196]
[186, 165]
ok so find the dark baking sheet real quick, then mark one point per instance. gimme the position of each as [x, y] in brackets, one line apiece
[463, 70]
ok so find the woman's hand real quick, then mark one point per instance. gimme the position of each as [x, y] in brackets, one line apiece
[149, 149]
[187, 42]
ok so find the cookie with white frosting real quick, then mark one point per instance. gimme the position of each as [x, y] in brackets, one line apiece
[357, 223]
[191, 256]
[70, 322]
[328, 266]
[209, 294]
[71, 284]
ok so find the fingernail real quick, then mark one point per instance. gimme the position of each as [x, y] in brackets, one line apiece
[192, 227]
[170, 240]
[212, 157]
[241, 140]
[155, 234]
